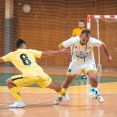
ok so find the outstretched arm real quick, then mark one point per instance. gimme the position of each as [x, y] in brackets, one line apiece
[52, 53]
[1, 60]
[109, 58]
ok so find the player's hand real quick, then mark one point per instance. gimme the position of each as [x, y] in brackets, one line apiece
[67, 54]
[65, 51]
[68, 58]
[109, 58]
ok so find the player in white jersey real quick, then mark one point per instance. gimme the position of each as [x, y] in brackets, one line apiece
[82, 59]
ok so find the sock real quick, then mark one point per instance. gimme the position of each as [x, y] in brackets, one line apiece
[16, 94]
[63, 92]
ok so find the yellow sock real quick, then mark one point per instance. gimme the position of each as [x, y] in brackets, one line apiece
[63, 92]
[16, 94]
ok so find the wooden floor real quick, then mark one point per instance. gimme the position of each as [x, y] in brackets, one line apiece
[39, 102]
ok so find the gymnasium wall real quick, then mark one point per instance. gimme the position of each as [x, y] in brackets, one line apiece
[2, 22]
[52, 21]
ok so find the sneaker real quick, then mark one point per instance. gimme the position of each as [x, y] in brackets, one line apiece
[83, 77]
[100, 99]
[67, 98]
[17, 104]
[60, 99]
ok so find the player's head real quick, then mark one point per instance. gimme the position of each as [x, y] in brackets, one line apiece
[20, 44]
[84, 37]
[81, 24]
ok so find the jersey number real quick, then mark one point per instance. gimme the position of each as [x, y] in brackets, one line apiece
[25, 59]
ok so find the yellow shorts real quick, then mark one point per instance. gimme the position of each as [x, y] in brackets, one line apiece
[42, 80]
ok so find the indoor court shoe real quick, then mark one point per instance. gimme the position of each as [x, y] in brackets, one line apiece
[83, 77]
[100, 99]
[60, 99]
[17, 104]
[67, 98]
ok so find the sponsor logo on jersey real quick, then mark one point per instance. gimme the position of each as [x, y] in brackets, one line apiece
[81, 54]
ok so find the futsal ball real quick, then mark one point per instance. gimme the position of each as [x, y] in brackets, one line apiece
[94, 93]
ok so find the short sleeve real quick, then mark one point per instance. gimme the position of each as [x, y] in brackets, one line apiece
[36, 53]
[7, 57]
[96, 42]
[74, 33]
[70, 41]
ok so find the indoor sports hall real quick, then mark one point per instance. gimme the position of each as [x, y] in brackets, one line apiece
[44, 24]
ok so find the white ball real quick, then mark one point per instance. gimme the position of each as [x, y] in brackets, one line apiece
[26, 8]
[94, 93]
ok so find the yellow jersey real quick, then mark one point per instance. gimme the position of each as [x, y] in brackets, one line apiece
[25, 60]
[77, 31]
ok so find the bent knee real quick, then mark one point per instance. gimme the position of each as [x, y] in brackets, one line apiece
[92, 75]
[9, 81]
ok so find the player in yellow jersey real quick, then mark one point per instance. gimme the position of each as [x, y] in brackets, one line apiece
[24, 60]
[77, 32]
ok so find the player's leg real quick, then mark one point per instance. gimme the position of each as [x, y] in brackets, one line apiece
[15, 91]
[94, 83]
[57, 88]
[92, 73]
[74, 68]
[45, 81]
[93, 78]
[68, 80]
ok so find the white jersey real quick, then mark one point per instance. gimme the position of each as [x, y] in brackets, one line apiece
[81, 53]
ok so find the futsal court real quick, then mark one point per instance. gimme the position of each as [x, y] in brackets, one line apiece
[44, 24]
[39, 101]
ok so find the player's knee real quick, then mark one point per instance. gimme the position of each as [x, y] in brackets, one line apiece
[9, 81]
[92, 76]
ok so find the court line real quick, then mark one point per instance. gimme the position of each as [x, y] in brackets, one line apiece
[4, 89]
[52, 102]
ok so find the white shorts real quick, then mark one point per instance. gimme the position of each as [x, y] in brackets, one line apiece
[76, 68]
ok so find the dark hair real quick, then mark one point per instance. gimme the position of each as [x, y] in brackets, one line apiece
[81, 20]
[19, 42]
[87, 32]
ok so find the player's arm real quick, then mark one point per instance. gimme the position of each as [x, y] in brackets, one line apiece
[109, 58]
[1, 60]
[67, 56]
[52, 53]
[99, 43]
[66, 44]
[61, 46]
